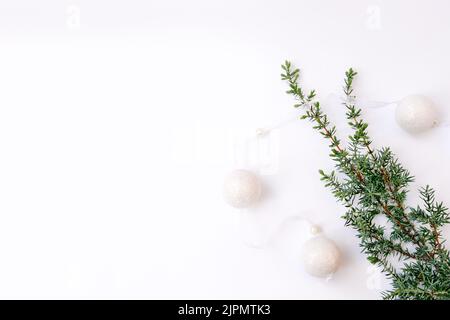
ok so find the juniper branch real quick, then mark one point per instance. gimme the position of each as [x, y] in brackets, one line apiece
[375, 183]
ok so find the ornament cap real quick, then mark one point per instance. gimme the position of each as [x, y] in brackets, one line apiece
[315, 230]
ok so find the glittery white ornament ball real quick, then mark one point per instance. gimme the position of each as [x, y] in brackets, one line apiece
[416, 114]
[320, 257]
[242, 189]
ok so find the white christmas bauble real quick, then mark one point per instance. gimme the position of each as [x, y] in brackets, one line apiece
[416, 114]
[320, 257]
[242, 189]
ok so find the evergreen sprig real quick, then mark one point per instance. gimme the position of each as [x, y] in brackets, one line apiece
[370, 182]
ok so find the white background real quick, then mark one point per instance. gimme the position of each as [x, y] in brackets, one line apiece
[120, 119]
